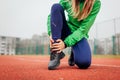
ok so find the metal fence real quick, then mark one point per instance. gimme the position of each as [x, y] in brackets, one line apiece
[104, 39]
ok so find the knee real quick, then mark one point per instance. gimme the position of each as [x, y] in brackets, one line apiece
[83, 64]
[56, 7]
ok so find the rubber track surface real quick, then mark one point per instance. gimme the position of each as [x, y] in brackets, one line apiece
[35, 68]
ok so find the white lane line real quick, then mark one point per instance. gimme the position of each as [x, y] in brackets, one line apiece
[46, 61]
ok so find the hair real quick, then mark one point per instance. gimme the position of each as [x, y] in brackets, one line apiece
[81, 14]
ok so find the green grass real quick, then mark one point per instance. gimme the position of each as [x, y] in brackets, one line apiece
[106, 56]
[94, 56]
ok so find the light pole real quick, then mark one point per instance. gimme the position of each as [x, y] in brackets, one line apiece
[95, 40]
[116, 38]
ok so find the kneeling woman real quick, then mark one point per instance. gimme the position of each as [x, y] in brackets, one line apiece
[72, 32]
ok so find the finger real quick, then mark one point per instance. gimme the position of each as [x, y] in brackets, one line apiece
[53, 49]
[58, 40]
[51, 39]
[50, 44]
[59, 51]
[56, 44]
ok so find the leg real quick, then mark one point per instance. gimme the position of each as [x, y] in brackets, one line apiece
[57, 26]
[71, 59]
[82, 54]
[56, 21]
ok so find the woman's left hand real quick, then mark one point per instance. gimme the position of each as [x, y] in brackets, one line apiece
[59, 46]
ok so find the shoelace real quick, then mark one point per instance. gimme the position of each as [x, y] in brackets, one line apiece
[53, 56]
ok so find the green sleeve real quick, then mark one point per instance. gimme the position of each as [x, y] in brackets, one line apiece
[48, 25]
[63, 3]
[86, 24]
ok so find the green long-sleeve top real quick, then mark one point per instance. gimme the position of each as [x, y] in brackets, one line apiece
[79, 29]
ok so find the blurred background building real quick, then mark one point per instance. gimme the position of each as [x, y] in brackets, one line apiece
[8, 45]
[38, 44]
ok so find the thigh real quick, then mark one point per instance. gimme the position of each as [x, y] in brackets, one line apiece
[82, 53]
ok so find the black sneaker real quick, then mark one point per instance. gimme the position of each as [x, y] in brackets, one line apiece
[52, 55]
[71, 60]
[55, 60]
[62, 55]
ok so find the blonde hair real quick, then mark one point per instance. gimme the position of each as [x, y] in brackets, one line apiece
[81, 14]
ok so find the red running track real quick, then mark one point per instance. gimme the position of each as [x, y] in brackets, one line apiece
[35, 68]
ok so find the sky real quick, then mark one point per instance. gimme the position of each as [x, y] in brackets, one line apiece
[23, 18]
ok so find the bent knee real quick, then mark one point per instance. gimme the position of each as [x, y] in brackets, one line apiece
[83, 65]
[56, 7]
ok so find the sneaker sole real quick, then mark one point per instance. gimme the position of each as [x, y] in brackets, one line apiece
[54, 67]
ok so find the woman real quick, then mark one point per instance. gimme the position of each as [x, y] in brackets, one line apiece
[72, 32]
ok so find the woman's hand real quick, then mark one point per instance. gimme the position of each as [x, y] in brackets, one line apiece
[59, 46]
